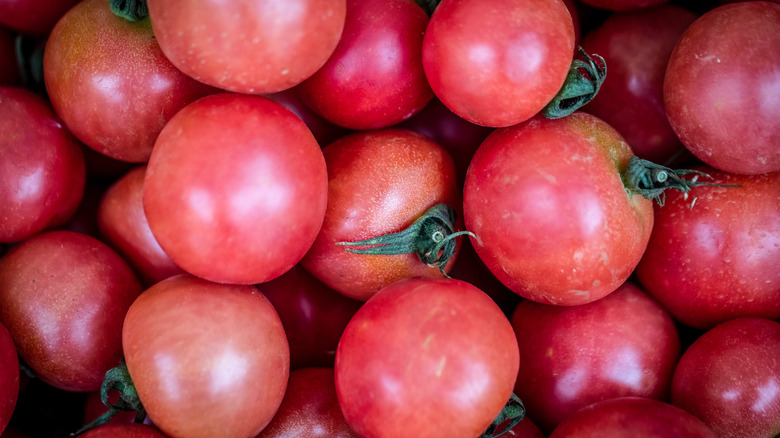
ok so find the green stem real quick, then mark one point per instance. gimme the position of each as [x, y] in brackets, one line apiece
[131, 10]
[582, 84]
[513, 412]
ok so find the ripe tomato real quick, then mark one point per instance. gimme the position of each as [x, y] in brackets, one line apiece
[498, 65]
[553, 218]
[721, 87]
[236, 189]
[9, 377]
[123, 431]
[730, 378]
[206, 359]
[426, 357]
[34, 17]
[63, 296]
[42, 171]
[110, 83]
[248, 46]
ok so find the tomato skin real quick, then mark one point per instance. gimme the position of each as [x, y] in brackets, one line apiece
[123, 431]
[206, 359]
[715, 259]
[42, 172]
[228, 175]
[426, 358]
[95, 64]
[729, 378]
[379, 182]
[9, 377]
[248, 46]
[636, 46]
[33, 17]
[547, 202]
[624, 5]
[498, 66]
[720, 88]
[63, 296]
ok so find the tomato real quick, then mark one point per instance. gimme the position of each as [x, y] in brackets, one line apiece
[123, 431]
[236, 189]
[34, 17]
[553, 219]
[95, 64]
[310, 408]
[63, 296]
[42, 171]
[206, 359]
[426, 357]
[313, 315]
[123, 225]
[9, 74]
[625, 344]
[324, 131]
[632, 417]
[498, 66]
[713, 256]
[379, 182]
[375, 76]
[9, 377]
[637, 46]
[730, 378]
[248, 46]
[721, 87]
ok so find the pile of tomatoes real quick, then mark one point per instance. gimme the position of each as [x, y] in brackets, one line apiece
[389, 218]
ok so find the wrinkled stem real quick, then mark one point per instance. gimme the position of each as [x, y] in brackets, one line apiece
[513, 413]
[131, 10]
[582, 84]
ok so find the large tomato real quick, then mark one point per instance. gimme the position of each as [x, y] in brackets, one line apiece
[206, 359]
[424, 358]
[498, 65]
[9, 377]
[553, 218]
[721, 89]
[248, 46]
[236, 189]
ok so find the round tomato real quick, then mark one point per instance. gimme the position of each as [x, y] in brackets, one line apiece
[206, 359]
[236, 189]
[9, 377]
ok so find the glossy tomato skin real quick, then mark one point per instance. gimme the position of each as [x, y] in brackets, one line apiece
[379, 182]
[729, 378]
[310, 408]
[248, 46]
[33, 17]
[636, 46]
[206, 359]
[425, 357]
[228, 177]
[625, 344]
[111, 84]
[9, 377]
[721, 87]
[123, 431]
[375, 76]
[123, 225]
[632, 417]
[63, 296]
[498, 66]
[42, 172]
[554, 220]
[713, 257]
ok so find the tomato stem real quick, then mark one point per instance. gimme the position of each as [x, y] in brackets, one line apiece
[513, 412]
[131, 10]
[582, 84]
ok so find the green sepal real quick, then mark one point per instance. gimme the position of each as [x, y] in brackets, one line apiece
[582, 83]
[513, 412]
[131, 10]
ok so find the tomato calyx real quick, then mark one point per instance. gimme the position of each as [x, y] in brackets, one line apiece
[131, 10]
[513, 412]
[652, 180]
[582, 84]
[117, 378]
[431, 237]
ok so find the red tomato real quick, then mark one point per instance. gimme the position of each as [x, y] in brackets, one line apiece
[625, 344]
[63, 296]
[375, 76]
[9, 73]
[35, 17]
[310, 408]
[730, 378]
[9, 377]
[636, 46]
[498, 66]
[123, 431]
[324, 131]
[236, 189]
[721, 89]
[42, 170]
[206, 359]
[110, 82]
[379, 182]
[248, 46]
[123, 225]
[632, 417]
[426, 358]
[714, 256]
[553, 218]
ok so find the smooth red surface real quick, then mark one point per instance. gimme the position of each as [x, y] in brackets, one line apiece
[63, 296]
[34, 17]
[124, 431]
[324, 131]
[9, 377]
[730, 378]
